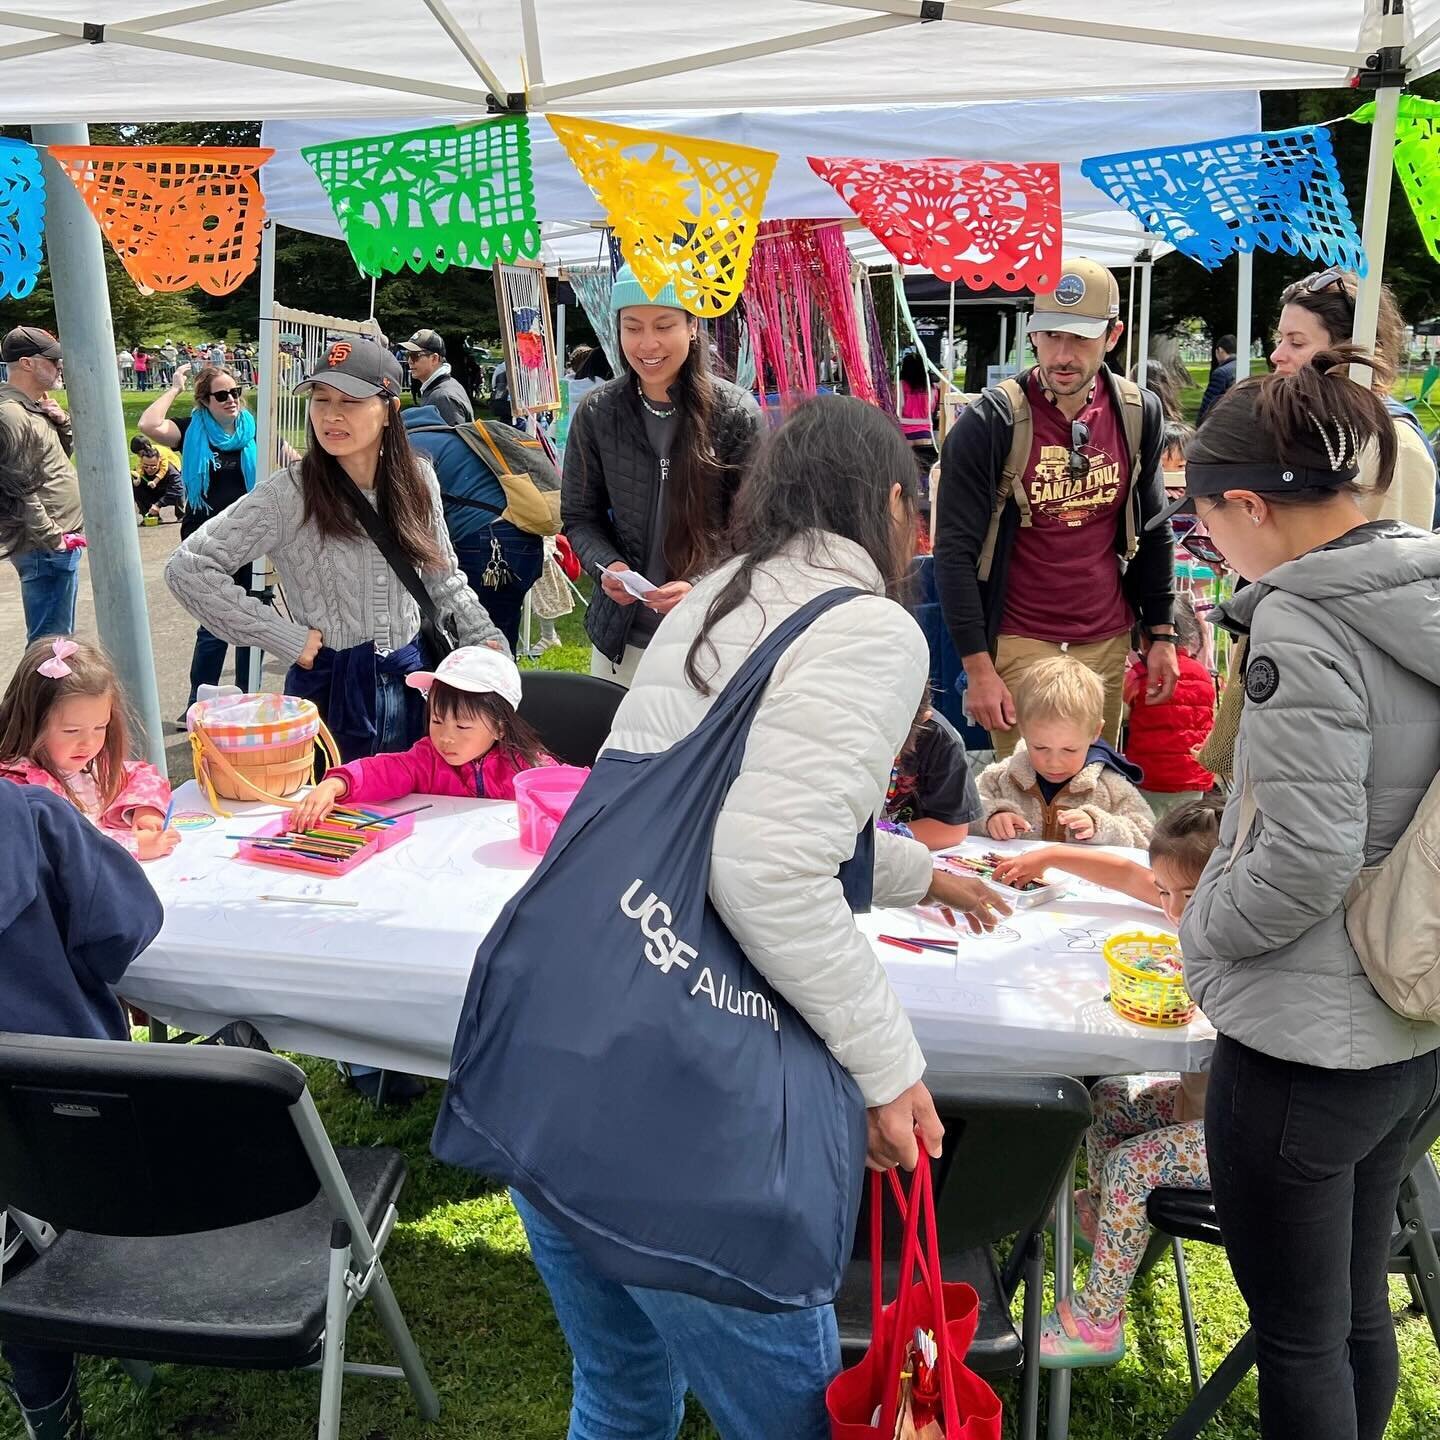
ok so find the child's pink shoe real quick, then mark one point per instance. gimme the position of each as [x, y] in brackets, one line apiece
[1070, 1340]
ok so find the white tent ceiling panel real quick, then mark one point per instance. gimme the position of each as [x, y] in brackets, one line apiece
[293, 58]
[1060, 130]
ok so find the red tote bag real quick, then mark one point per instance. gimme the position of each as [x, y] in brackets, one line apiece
[970, 1409]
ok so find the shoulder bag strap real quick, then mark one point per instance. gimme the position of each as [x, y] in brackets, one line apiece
[389, 547]
[1012, 475]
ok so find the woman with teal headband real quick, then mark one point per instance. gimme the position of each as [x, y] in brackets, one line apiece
[218, 465]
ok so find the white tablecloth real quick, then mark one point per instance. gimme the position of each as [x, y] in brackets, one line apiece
[382, 983]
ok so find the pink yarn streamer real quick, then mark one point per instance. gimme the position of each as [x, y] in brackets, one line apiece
[800, 275]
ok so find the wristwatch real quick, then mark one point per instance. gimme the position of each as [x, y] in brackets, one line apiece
[1156, 637]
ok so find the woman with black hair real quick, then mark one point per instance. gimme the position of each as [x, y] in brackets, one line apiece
[830, 503]
[1316, 1085]
[652, 464]
[354, 628]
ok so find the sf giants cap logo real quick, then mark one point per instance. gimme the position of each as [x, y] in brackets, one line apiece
[339, 353]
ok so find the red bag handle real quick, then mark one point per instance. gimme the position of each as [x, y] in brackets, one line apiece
[921, 1204]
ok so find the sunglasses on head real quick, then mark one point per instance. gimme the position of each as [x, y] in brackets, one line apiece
[1079, 461]
[1316, 284]
[223, 395]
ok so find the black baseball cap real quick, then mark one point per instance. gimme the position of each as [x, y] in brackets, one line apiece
[1328, 457]
[26, 340]
[356, 367]
[426, 342]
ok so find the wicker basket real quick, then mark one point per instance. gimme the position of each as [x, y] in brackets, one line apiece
[260, 761]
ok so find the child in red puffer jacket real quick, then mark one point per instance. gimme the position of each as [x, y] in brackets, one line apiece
[1163, 739]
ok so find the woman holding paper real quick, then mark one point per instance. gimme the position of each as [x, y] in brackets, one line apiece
[651, 466]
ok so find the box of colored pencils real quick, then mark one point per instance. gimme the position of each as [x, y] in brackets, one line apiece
[347, 837]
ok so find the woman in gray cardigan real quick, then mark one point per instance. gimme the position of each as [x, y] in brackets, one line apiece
[1317, 1087]
[353, 631]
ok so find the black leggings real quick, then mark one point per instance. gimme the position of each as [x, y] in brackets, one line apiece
[1306, 1166]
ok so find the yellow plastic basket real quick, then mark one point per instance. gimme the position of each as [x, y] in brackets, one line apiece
[1147, 983]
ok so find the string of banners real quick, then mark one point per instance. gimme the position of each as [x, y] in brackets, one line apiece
[687, 210]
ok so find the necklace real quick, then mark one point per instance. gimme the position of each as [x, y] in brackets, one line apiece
[653, 409]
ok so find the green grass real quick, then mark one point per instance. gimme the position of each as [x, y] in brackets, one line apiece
[484, 1324]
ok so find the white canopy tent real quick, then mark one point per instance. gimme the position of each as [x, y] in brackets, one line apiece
[101, 60]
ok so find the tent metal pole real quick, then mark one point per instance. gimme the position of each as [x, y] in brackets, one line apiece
[462, 42]
[1244, 290]
[267, 442]
[534, 56]
[1142, 344]
[1378, 176]
[374, 280]
[950, 366]
[1130, 320]
[979, 12]
[1004, 339]
[82, 308]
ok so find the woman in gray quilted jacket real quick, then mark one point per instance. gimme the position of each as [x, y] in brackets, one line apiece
[652, 463]
[1317, 1088]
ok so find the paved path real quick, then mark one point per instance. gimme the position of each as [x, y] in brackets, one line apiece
[172, 633]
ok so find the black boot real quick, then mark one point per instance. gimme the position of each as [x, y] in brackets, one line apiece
[61, 1419]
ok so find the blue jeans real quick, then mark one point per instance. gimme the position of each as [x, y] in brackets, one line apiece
[48, 582]
[40, 1376]
[524, 556]
[637, 1351]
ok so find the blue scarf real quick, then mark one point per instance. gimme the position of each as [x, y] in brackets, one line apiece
[204, 436]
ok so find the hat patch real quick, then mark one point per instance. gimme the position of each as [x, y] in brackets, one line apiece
[1262, 679]
[1070, 290]
[339, 353]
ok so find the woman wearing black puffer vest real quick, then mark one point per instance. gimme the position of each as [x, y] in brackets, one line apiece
[652, 464]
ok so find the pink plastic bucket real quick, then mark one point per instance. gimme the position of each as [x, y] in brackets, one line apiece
[542, 797]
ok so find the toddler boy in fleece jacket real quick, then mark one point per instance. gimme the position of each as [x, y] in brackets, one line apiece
[1064, 783]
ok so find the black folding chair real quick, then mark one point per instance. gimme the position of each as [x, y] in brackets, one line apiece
[1190, 1215]
[571, 713]
[201, 1215]
[1010, 1145]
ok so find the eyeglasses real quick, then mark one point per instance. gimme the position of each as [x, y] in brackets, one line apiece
[223, 395]
[1079, 460]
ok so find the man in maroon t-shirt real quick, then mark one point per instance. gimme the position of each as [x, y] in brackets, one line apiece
[1073, 567]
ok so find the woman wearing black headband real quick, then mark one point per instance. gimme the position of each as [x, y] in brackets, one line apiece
[1317, 1086]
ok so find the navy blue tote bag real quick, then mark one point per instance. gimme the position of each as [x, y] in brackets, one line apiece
[622, 1064]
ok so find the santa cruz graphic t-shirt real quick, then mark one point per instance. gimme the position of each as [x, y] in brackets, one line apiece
[1064, 581]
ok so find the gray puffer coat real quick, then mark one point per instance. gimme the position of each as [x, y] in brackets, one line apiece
[1339, 740]
[610, 491]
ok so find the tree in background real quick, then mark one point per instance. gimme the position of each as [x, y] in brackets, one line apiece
[1185, 291]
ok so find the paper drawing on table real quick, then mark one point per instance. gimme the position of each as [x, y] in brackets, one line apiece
[1001, 934]
[1078, 941]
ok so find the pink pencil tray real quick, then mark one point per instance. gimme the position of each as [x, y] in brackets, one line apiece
[385, 837]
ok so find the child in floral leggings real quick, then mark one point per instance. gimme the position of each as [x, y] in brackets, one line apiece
[1149, 1130]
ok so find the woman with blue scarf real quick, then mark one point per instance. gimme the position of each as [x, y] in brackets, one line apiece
[218, 464]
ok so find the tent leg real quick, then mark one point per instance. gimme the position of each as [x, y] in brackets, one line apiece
[1130, 321]
[1142, 343]
[1004, 340]
[1377, 187]
[951, 359]
[1245, 288]
[82, 308]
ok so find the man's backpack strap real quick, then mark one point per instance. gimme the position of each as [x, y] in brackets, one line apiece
[1132, 417]
[1012, 475]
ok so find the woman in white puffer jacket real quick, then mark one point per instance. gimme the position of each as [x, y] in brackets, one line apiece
[829, 503]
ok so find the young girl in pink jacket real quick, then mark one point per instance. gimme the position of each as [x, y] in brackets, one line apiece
[63, 726]
[476, 745]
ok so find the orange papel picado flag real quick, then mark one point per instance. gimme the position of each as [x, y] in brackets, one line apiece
[177, 216]
[683, 208]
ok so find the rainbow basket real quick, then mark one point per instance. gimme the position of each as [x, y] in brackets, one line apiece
[1147, 979]
[256, 747]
